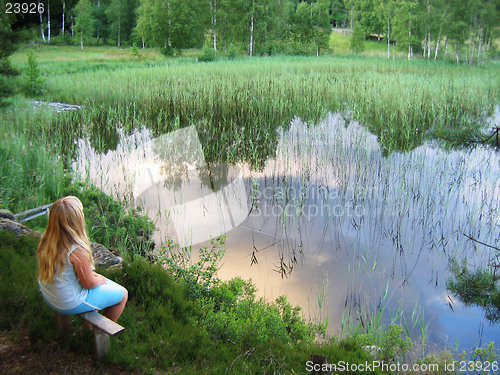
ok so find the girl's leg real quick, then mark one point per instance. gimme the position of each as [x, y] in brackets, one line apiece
[114, 312]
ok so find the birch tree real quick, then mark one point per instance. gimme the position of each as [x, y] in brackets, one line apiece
[406, 26]
[47, 6]
[40, 16]
[172, 23]
[386, 9]
[84, 21]
[121, 18]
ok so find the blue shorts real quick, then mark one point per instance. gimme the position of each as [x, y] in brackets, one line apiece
[99, 298]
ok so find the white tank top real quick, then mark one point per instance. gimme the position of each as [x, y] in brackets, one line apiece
[65, 292]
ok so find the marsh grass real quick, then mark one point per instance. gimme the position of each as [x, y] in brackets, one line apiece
[245, 100]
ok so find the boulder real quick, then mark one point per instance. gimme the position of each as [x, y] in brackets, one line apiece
[103, 257]
[6, 214]
[14, 226]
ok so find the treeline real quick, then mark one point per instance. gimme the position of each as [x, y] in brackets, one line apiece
[465, 28]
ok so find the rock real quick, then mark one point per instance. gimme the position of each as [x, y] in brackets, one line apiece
[320, 365]
[6, 214]
[55, 106]
[14, 226]
[103, 257]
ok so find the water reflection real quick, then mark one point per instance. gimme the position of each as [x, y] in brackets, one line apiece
[190, 200]
[342, 230]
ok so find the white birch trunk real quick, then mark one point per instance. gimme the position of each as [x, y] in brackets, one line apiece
[72, 27]
[48, 21]
[169, 41]
[410, 48]
[41, 23]
[480, 44]
[213, 11]
[439, 35]
[251, 43]
[119, 27]
[424, 52]
[429, 46]
[388, 38]
[63, 12]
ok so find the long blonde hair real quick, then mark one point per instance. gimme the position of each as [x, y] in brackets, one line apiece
[66, 227]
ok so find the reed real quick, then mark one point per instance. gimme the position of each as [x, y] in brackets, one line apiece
[244, 101]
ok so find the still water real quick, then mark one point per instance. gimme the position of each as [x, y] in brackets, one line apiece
[342, 230]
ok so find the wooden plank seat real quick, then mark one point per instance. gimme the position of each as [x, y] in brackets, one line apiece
[102, 326]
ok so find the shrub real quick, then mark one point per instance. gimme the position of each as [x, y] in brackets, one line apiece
[33, 81]
[6, 90]
[208, 54]
[357, 39]
[232, 51]
[134, 50]
[167, 51]
[17, 277]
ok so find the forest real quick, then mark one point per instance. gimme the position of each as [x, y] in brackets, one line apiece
[462, 29]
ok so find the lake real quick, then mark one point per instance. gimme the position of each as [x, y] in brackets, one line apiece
[345, 232]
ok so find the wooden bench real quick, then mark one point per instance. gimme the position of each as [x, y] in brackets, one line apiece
[33, 213]
[103, 328]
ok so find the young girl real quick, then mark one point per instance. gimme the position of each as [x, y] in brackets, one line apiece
[65, 266]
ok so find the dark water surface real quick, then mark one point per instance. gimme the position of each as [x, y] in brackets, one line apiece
[340, 229]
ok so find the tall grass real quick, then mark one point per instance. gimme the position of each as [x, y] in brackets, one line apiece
[246, 99]
[31, 174]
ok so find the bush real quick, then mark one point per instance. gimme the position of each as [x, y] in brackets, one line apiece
[17, 277]
[167, 51]
[33, 81]
[232, 51]
[208, 54]
[6, 91]
[6, 68]
[134, 50]
[357, 39]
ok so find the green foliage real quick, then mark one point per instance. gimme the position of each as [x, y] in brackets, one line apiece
[26, 163]
[208, 54]
[8, 38]
[479, 288]
[33, 80]
[134, 50]
[196, 275]
[357, 39]
[178, 23]
[7, 47]
[480, 356]
[388, 345]
[167, 51]
[6, 68]
[232, 51]
[84, 21]
[6, 90]
[17, 277]
[228, 310]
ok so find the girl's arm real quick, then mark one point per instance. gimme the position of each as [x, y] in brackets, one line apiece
[88, 278]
